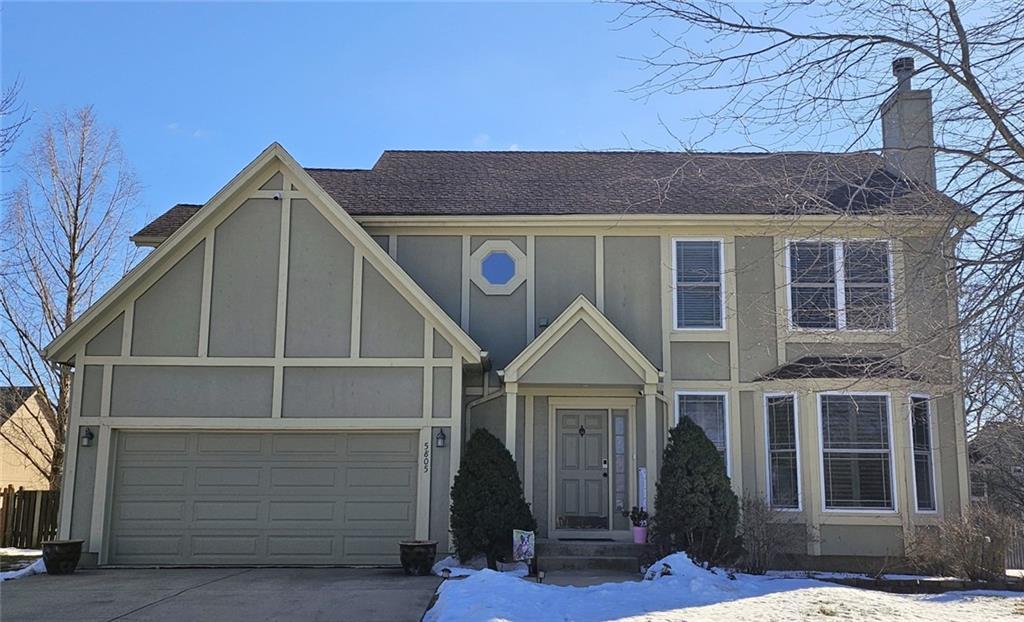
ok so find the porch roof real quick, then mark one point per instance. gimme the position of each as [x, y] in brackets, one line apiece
[581, 347]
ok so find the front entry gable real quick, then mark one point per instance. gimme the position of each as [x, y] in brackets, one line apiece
[581, 347]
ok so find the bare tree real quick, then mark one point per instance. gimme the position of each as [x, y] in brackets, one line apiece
[818, 70]
[63, 223]
[13, 117]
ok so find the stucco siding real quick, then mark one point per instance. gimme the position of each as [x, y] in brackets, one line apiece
[373, 392]
[498, 324]
[92, 387]
[540, 464]
[748, 464]
[441, 392]
[700, 360]
[632, 291]
[869, 540]
[927, 297]
[85, 483]
[440, 472]
[166, 320]
[243, 309]
[944, 418]
[180, 391]
[755, 306]
[435, 263]
[390, 326]
[442, 349]
[489, 415]
[108, 341]
[319, 313]
[581, 357]
[564, 268]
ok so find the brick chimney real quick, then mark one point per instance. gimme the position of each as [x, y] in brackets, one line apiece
[907, 137]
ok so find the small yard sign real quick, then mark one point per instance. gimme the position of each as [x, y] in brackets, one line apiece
[523, 543]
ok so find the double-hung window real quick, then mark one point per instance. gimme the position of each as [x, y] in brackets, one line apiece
[707, 410]
[921, 437]
[856, 452]
[840, 285]
[783, 458]
[698, 284]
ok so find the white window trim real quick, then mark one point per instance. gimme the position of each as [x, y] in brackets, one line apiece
[768, 453]
[892, 462]
[725, 415]
[931, 450]
[675, 283]
[501, 246]
[840, 275]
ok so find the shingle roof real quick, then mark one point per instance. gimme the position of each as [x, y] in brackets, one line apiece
[840, 367]
[510, 183]
[11, 399]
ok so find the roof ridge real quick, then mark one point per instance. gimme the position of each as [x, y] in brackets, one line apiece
[627, 152]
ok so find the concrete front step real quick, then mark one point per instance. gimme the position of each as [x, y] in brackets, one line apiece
[591, 555]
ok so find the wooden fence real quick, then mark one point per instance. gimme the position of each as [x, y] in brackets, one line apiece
[1015, 552]
[27, 517]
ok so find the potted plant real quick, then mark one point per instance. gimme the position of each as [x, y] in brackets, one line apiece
[418, 556]
[639, 518]
[61, 556]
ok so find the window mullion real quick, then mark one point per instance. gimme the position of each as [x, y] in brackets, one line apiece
[840, 271]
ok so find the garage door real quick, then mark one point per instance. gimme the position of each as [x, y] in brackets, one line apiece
[262, 498]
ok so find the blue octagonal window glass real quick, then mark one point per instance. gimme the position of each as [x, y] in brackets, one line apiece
[498, 268]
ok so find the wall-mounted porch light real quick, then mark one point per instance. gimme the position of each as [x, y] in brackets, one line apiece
[440, 440]
[87, 437]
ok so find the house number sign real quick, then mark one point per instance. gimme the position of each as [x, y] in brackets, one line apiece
[426, 457]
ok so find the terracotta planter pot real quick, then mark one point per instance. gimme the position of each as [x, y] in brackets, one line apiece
[639, 535]
[418, 556]
[61, 556]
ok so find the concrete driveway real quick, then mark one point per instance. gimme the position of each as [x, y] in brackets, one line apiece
[219, 594]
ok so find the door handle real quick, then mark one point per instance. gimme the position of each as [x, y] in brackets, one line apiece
[604, 467]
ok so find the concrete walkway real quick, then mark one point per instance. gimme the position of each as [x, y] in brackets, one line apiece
[221, 594]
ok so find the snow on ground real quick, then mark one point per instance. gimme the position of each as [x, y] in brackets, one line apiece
[475, 565]
[691, 593]
[10, 551]
[35, 567]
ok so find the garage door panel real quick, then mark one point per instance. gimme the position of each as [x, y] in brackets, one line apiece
[149, 443]
[214, 444]
[219, 547]
[304, 511]
[258, 497]
[207, 477]
[147, 477]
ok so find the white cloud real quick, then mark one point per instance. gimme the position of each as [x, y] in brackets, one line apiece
[513, 147]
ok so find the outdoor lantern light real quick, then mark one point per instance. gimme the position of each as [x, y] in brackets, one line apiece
[446, 573]
[440, 439]
[87, 437]
[540, 576]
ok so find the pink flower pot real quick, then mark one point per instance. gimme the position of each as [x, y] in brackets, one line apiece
[640, 535]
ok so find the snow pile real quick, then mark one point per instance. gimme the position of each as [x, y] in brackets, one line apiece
[36, 567]
[478, 563]
[680, 590]
[10, 551]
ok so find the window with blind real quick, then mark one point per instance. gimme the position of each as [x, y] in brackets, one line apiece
[707, 411]
[840, 285]
[921, 435]
[783, 462]
[698, 281]
[856, 452]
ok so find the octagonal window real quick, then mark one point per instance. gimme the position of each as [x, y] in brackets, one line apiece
[498, 268]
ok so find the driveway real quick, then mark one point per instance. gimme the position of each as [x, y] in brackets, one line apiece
[219, 594]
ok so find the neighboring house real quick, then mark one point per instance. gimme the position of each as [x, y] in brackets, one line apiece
[997, 466]
[26, 438]
[290, 376]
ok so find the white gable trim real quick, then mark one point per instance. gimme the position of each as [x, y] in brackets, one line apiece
[64, 346]
[581, 310]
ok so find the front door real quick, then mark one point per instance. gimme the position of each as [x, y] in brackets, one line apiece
[582, 482]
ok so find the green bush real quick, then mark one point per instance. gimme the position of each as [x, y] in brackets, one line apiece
[487, 501]
[695, 509]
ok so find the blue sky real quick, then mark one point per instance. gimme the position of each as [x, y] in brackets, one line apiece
[197, 90]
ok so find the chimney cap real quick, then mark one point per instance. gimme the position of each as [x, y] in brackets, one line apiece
[903, 69]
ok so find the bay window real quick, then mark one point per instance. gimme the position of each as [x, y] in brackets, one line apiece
[921, 439]
[856, 451]
[708, 411]
[783, 451]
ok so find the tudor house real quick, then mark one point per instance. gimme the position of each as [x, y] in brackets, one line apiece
[290, 375]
